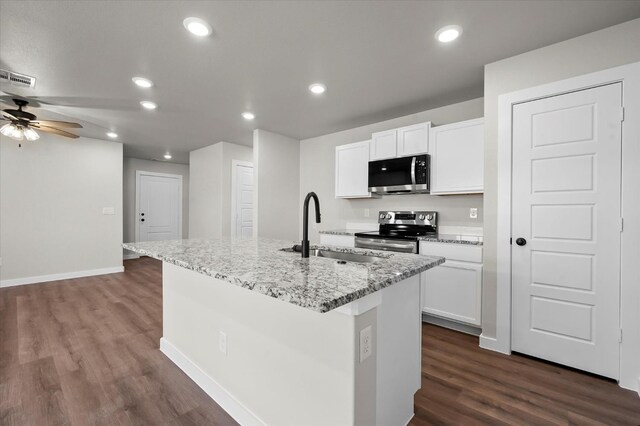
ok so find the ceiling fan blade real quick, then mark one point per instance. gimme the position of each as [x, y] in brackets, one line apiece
[8, 116]
[53, 123]
[56, 131]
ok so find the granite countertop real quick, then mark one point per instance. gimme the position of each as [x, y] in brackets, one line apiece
[441, 238]
[260, 265]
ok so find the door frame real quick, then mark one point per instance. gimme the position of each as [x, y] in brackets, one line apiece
[629, 76]
[139, 174]
[234, 195]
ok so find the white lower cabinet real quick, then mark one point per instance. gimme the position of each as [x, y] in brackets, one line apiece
[337, 240]
[453, 290]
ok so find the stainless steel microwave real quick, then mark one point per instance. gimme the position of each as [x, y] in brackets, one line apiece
[405, 175]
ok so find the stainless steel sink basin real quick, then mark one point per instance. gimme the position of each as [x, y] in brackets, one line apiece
[347, 257]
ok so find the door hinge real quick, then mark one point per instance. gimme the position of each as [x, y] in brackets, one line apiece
[620, 336]
[621, 113]
[510, 240]
[621, 224]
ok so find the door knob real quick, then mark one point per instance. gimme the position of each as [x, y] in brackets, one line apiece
[141, 220]
[520, 241]
[141, 214]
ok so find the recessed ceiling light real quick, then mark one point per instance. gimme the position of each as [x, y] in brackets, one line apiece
[167, 156]
[448, 33]
[112, 135]
[142, 82]
[318, 88]
[197, 26]
[248, 115]
[149, 105]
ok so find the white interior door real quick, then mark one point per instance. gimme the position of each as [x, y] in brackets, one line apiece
[159, 207]
[566, 205]
[244, 201]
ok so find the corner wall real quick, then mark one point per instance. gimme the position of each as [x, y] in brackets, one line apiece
[52, 195]
[607, 48]
[276, 162]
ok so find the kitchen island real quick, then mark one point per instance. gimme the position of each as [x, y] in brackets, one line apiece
[279, 340]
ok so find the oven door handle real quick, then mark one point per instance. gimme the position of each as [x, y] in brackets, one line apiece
[413, 171]
[389, 245]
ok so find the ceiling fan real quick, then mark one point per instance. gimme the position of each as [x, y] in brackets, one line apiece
[22, 124]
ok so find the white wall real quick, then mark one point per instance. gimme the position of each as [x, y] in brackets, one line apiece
[607, 48]
[130, 166]
[52, 192]
[210, 188]
[317, 173]
[276, 162]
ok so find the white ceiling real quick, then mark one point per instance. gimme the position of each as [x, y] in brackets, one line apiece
[379, 60]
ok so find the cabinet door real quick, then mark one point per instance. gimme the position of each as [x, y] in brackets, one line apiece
[413, 140]
[453, 290]
[352, 170]
[457, 157]
[384, 145]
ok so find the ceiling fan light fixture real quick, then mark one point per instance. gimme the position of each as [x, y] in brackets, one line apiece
[8, 129]
[30, 134]
[142, 82]
[148, 105]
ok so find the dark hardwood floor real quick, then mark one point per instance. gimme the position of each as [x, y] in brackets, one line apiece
[85, 352]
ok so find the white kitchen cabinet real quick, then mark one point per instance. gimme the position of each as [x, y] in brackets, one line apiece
[413, 140]
[337, 240]
[384, 145]
[401, 142]
[352, 170]
[453, 290]
[457, 157]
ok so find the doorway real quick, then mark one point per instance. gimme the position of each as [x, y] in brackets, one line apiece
[158, 206]
[242, 189]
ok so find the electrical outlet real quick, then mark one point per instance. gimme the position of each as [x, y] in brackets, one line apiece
[365, 343]
[222, 342]
[473, 213]
[366, 212]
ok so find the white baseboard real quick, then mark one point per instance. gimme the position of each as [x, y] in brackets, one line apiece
[491, 343]
[232, 406]
[130, 256]
[56, 277]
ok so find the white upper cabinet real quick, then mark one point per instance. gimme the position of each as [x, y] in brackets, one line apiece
[457, 157]
[384, 145]
[413, 140]
[352, 170]
[402, 142]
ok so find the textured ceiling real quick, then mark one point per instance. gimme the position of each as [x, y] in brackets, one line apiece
[379, 60]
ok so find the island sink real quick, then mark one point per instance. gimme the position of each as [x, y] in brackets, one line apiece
[347, 257]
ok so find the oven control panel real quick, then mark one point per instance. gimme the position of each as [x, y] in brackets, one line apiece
[408, 218]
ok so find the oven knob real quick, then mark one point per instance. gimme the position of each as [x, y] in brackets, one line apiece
[421, 217]
[429, 217]
[388, 215]
[382, 216]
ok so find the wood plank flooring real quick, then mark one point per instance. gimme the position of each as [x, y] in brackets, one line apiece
[85, 352]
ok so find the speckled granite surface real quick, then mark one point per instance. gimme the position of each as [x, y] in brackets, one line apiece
[350, 232]
[316, 283]
[452, 239]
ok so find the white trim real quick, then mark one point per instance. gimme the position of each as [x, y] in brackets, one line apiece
[139, 174]
[130, 256]
[234, 179]
[62, 276]
[219, 394]
[490, 343]
[629, 75]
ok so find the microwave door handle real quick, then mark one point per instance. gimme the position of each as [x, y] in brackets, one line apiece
[413, 171]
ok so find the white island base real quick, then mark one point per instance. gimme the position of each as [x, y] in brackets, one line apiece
[282, 364]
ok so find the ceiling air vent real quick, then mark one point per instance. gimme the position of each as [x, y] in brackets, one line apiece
[21, 80]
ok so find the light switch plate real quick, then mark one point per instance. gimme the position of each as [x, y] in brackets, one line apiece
[473, 213]
[108, 210]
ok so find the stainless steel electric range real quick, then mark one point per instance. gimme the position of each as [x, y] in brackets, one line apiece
[399, 231]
